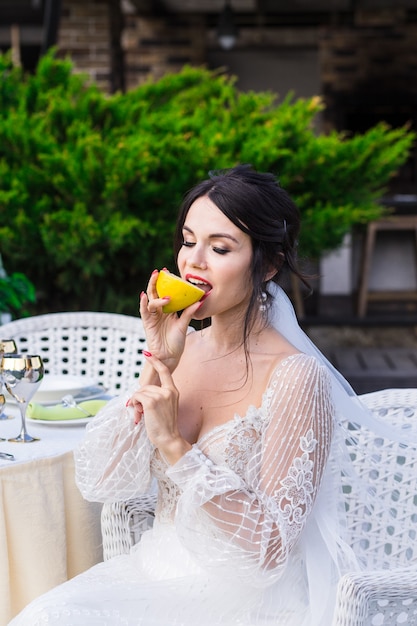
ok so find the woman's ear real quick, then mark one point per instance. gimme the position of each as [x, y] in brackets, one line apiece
[270, 275]
[275, 269]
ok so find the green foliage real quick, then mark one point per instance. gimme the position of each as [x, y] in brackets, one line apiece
[16, 291]
[90, 184]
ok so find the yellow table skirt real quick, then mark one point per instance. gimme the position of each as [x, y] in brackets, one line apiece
[48, 532]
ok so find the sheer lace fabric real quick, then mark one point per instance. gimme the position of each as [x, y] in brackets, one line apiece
[241, 536]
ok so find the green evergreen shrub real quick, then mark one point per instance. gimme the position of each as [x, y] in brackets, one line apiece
[90, 183]
[16, 293]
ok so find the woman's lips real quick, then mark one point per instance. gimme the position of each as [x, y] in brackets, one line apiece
[198, 281]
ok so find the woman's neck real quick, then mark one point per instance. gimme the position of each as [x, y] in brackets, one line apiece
[226, 335]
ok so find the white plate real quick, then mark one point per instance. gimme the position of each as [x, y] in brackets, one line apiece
[53, 388]
[75, 422]
[91, 393]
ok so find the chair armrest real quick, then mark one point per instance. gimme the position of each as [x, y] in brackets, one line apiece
[387, 594]
[122, 523]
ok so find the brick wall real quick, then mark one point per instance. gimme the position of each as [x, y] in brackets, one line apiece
[154, 46]
[373, 66]
[369, 74]
[84, 35]
[122, 51]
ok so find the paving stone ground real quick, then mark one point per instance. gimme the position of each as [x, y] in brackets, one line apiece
[371, 358]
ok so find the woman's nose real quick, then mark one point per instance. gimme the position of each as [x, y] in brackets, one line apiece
[197, 259]
[200, 263]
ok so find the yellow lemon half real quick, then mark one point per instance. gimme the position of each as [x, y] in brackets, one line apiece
[182, 294]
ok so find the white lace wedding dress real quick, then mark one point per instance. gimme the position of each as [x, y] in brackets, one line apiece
[245, 531]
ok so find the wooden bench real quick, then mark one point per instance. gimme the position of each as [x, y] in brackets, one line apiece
[392, 223]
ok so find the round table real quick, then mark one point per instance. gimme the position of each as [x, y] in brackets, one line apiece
[48, 532]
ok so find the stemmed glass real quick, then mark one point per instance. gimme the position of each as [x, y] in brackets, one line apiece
[22, 374]
[2, 403]
[7, 346]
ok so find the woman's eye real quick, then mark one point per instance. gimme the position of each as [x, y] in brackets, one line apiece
[220, 250]
[188, 244]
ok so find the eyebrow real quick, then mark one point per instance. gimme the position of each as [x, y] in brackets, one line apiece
[213, 235]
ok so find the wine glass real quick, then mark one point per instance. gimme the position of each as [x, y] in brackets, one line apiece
[7, 346]
[22, 374]
[2, 403]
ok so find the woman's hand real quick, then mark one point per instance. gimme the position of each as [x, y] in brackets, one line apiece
[165, 332]
[157, 406]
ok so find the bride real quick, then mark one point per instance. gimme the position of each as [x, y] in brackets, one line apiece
[241, 425]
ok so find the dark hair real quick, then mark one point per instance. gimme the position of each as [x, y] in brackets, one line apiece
[259, 206]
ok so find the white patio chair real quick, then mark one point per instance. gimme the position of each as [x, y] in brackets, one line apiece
[104, 346]
[385, 593]
[384, 538]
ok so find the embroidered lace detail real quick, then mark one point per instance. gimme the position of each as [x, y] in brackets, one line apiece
[241, 439]
[275, 381]
[295, 497]
[168, 492]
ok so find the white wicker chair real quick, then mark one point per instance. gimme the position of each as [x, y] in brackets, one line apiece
[104, 346]
[384, 539]
[122, 523]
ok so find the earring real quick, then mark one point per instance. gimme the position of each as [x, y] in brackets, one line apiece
[262, 301]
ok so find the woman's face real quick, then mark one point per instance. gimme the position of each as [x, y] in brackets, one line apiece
[216, 255]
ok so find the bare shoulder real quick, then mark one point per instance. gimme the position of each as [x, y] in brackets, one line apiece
[283, 356]
[272, 344]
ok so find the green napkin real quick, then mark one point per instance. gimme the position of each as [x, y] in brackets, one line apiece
[59, 412]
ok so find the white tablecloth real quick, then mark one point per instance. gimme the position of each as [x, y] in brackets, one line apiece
[48, 533]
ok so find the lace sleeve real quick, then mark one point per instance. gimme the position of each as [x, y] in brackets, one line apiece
[253, 519]
[112, 463]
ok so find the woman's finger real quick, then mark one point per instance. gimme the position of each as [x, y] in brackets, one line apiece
[150, 307]
[137, 407]
[148, 295]
[164, 374]
[143, 303]
[151, 290]
[188, 314]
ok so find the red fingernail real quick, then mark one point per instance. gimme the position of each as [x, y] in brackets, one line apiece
[146, 353]
[155, 272]
[127, 403]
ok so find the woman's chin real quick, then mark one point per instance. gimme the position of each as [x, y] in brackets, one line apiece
[199, 316]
